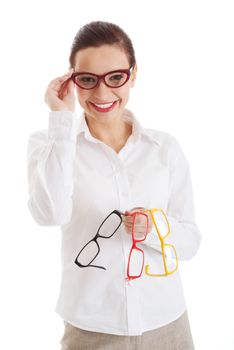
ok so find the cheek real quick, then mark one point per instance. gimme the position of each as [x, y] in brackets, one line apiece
[82, 95]
[123, 93]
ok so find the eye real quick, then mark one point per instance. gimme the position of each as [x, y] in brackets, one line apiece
[116, 77]
[86, 79]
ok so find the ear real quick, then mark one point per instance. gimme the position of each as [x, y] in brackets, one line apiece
[133, 75]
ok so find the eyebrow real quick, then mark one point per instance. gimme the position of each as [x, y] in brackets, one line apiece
[109, 71]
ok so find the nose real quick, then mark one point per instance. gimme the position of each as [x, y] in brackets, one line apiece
[102, 90]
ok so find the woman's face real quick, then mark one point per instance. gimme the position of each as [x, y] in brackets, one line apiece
[100, 60]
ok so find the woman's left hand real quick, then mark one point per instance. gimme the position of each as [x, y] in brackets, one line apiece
[140, 222]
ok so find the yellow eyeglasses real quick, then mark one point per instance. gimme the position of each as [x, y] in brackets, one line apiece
[169, 263]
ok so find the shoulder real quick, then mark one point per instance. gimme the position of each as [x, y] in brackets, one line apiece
[163, 138]
[170, 147]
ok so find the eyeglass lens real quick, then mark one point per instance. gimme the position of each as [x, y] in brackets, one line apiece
[159, 266]
[140, 226]
[110, 225]
[88, 254]
[136, 262]
[161, 223]
[106, 230]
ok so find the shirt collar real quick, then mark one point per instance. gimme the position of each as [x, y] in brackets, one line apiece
[137, 131]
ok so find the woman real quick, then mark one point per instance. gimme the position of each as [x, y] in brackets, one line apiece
[120, 286]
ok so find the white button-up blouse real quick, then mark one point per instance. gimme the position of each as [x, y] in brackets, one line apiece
[75, 181]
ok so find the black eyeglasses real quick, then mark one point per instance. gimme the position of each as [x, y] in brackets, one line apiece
[113, 79]
[106, 230]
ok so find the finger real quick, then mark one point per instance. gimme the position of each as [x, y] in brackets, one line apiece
[128, 230]
[67, 75]
[127, 225]
[136, 227]
[70, 86]
[57, 83]
[63, 89]
[61, 79]
[138, 221]
[128, 219]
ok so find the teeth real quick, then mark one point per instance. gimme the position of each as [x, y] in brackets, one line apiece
[107, 105]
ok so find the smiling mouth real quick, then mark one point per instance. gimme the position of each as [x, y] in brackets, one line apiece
[104, 107]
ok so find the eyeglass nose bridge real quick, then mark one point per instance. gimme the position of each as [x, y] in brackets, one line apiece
[101, 79]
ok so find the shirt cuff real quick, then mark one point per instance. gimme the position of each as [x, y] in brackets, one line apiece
[62, 125]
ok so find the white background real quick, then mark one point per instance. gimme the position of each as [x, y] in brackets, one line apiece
[185, 58]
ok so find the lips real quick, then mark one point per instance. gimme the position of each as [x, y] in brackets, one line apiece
[104, 107]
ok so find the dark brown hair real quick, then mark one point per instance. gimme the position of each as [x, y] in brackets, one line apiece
[98, 33]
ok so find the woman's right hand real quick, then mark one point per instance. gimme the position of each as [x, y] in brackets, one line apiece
[60, 94]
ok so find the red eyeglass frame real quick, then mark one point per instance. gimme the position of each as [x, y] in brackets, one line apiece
[134, 242]
[102, 77]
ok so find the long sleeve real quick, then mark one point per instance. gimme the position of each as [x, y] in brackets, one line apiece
[184, 233]
[50, 157]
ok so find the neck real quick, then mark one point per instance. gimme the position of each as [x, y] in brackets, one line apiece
[113, 133]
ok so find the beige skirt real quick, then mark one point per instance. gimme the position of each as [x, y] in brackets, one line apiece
[174, 336]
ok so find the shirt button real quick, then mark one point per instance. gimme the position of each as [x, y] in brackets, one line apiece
[115, 169]
[130, 283]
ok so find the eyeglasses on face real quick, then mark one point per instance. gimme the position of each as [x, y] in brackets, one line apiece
[113, 79]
